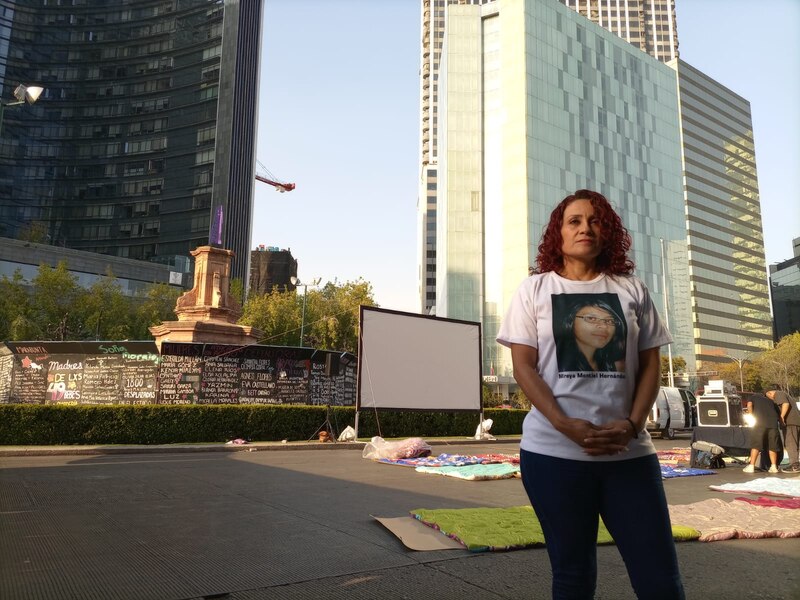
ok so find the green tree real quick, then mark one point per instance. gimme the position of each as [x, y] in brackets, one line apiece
[237, 289]
[105, 311]
[781, 365]
[678, 366]
[55, 303]
[277, 315]
[15, 309]
[331, 315]
[153, 308]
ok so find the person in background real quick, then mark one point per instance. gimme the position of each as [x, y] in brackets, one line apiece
[790, 419]
[585, 453]
[764, 433]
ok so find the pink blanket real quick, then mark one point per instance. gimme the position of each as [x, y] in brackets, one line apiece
[716, 520]
[777, 502]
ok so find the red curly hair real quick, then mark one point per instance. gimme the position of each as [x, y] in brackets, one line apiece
[613, 259]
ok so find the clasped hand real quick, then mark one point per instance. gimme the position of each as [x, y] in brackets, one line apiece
[599, 440]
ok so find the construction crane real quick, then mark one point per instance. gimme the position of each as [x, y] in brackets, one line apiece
[264, 175]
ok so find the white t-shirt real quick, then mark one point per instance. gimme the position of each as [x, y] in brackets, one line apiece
[618, 315]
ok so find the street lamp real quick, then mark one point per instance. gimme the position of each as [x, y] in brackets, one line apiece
[23, 94]
[297, 283]
[740, 363]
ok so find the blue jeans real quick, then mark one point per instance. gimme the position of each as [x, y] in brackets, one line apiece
[569, 496]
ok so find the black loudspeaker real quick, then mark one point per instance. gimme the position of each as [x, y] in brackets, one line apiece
[713, 413]
[331, 365]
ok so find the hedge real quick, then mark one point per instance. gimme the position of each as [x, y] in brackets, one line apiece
[26, 424]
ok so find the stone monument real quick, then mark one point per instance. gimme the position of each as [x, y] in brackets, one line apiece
[207, 313]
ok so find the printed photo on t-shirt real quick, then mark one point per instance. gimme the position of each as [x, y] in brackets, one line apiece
[590, 332]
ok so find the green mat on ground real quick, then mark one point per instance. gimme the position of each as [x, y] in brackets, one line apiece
[511, 528]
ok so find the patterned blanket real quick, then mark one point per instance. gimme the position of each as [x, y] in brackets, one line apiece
[674, 456]
[668, 471]
[475, 472]
[452, 460]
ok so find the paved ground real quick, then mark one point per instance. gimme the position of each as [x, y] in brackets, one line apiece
[172, 523]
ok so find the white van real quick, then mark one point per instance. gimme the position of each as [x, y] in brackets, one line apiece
[674, 410]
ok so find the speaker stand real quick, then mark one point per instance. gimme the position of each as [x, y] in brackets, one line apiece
[326, 426]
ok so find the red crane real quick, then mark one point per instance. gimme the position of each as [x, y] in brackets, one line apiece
[264, 175]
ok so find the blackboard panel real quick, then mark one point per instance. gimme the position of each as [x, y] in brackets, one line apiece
[6, 374]
[322, 387]
[291, 382]
[257, 381]
[30, 377]
[139, 378]
[102, 379]
[64, 379]
[179, 379]
[220, 382]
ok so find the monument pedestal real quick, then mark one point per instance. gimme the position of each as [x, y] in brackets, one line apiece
[207, 313]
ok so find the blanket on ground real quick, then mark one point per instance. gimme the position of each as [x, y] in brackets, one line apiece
[452, 460]
[717, 520]
[499, 458]
[777, 502]
[475, 472]
[668, 471]
[674, 456]
[497, 529]
[771, 486]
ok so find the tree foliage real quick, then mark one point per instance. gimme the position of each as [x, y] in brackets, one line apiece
[155, 306]
[53, 306]
[14, 308]
[55, 303]
[105, 311]
[331, 315]
[781, 365]
[678, 366]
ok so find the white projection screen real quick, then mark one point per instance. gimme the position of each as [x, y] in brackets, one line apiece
[416, 362]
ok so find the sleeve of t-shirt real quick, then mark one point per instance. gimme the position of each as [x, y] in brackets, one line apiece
[519, 323]
[652, 331]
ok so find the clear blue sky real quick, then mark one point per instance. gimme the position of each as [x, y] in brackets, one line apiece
[339, 110]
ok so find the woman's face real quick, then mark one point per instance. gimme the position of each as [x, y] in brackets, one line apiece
[580, 232]
[594, 326]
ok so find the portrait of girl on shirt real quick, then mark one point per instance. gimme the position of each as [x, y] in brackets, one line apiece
[589, 332]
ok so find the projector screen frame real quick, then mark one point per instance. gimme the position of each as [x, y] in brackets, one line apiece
[476, 338]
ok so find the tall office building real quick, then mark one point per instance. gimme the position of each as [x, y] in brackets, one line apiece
[785, 285]
[270, 267]
[142, 144]
[534, 102]
[711, 281]
[728, 293]
[433, 29]
[647, 24]
[723, 292]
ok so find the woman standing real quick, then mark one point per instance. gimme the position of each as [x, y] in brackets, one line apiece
[585, 453]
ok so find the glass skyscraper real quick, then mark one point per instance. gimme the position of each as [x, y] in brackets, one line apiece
[647, 24]
[728, 293]
[142, 145]
[535, 102]
[530, 100]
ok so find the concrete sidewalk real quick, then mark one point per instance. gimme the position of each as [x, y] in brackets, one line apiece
[164, 524]
[79, 450]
